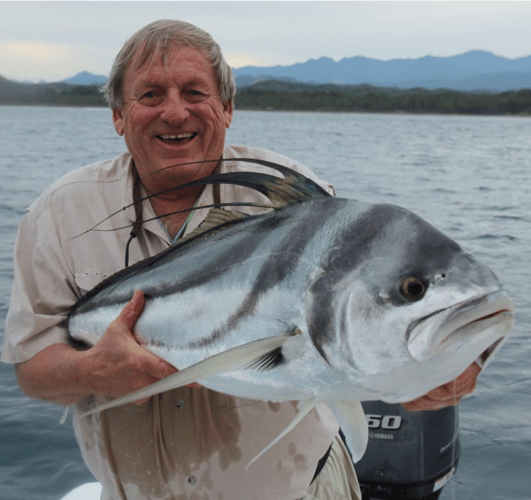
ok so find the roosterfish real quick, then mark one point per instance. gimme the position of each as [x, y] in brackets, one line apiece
[320, 299]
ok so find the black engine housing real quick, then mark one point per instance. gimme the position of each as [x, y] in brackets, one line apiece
[410, 455]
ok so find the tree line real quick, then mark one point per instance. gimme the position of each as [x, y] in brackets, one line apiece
[411, 101]
[64, 95]
[291, 96]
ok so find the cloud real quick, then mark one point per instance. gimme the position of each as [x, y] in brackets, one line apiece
[43, 58]
[87, 35]
[51, 61]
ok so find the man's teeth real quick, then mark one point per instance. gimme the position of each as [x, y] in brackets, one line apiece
[176, 137]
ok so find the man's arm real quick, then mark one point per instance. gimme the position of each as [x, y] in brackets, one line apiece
[115, 366]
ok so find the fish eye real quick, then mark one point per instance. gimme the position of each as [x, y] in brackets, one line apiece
[413, 289]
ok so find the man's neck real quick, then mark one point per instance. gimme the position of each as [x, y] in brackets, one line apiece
[174, 212]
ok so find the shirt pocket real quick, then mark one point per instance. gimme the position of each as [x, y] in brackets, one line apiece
[86, 280]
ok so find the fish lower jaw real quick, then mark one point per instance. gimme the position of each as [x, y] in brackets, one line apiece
[481, 336]
[481, 322]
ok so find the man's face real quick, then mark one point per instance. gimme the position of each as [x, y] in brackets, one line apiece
[172, 114]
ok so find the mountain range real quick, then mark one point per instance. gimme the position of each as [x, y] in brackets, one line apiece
[473, 71]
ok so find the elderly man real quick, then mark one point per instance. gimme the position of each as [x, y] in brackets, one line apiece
[171, 94]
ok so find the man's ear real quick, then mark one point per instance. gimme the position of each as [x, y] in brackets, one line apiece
[228, 110]
[118, 121]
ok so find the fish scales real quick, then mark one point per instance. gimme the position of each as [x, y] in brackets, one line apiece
[320, 300]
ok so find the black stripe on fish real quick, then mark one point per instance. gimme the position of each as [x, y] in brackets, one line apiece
[350, 249]
[279, 264]
[259, 229]
[195, 278]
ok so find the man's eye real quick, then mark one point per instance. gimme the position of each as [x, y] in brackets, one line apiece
[150, 97]
[196, 94]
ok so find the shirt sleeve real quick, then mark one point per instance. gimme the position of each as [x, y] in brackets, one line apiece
[42, 291]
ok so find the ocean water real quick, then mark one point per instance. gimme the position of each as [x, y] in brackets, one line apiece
[469, 176]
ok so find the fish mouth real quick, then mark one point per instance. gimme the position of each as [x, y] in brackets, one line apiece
[480, 325]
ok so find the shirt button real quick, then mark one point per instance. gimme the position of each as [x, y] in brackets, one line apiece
[180, 404]
[192, 480]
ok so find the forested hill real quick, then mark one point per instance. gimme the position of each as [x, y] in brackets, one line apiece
[292, 96]
[46, 94]
[284, 95]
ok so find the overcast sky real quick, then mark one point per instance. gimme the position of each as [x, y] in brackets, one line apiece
[52, 41]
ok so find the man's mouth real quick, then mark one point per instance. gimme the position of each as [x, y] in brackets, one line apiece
[177, 138]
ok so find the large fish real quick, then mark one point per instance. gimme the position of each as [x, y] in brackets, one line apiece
[321, 299]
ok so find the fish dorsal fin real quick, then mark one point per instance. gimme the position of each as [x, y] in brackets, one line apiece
[215, 217]
[292, 188]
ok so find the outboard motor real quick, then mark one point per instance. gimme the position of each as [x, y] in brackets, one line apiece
[410, 455]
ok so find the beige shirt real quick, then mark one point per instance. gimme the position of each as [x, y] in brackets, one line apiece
[183, 444]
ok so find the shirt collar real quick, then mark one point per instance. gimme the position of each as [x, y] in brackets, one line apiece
[206, 198]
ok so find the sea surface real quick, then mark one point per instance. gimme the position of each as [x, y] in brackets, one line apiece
[469, 176]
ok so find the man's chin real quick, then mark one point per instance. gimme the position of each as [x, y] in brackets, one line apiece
[187, 170]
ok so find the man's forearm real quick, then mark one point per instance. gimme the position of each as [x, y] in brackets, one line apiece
[55, 375]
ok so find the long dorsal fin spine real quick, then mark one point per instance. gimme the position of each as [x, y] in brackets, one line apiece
[294, 187]
[201, 207]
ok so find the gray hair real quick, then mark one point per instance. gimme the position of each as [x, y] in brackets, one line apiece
[162, 34]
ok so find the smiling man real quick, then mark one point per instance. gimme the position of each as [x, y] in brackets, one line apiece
[171, 95]
[172, 114]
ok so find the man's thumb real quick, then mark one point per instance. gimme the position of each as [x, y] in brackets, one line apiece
[132, 310]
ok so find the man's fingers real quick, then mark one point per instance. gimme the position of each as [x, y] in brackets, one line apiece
[449, 394]
[466, 382]
[155, 366]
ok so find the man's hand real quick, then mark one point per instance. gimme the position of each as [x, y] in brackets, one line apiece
[118, 364]
[115, 366]
[449, 394]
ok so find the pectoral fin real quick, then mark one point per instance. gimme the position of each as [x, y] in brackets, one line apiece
[353, 423]
[240, 357]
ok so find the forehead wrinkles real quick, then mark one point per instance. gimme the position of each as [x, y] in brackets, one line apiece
[151, 53]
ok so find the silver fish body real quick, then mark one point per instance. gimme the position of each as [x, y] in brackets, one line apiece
[369, 302]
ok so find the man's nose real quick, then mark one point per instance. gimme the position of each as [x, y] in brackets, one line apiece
[175, 109]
